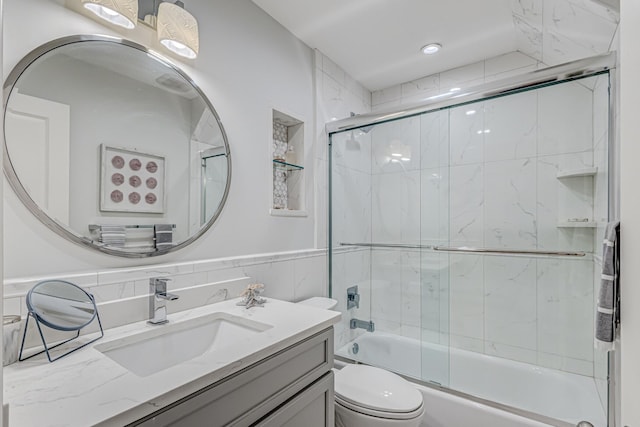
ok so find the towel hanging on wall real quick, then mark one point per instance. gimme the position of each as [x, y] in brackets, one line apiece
[607, 309]
[163, 236]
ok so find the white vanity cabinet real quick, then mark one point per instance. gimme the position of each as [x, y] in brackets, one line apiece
[293, 387]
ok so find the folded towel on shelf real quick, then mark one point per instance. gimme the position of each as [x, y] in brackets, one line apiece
[113, 235]
[163, 234]
[607, 309]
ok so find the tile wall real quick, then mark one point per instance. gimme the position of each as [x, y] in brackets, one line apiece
[471, 75]
[121, 294]
[337, 96]
[559, 31]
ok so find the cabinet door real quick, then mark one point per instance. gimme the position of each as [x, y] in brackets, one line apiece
[313, 407]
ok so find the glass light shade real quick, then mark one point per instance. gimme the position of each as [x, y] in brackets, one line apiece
[123, 13]
[178, 30]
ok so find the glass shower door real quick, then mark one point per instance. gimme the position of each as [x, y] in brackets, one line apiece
[378, 213]
[434, 231]
[396, 292]
[528, 172]
[473, 234]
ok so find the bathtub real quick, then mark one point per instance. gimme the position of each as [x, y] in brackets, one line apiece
[555, 394]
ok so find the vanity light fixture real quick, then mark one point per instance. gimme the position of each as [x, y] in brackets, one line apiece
[178, 29]
[431, 48]
[123, 13]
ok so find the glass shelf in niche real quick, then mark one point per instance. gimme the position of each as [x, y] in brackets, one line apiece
[289, 167]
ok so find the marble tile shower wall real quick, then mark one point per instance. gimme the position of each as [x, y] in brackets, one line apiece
[485, 175]
[467, 76]
[351, 206]
[337, 96]
[290, 276]
[559, 31]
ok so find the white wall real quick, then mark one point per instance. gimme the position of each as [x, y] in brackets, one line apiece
[630, 211]
[248, 64]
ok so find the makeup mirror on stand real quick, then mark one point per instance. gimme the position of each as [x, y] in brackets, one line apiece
[61, 306]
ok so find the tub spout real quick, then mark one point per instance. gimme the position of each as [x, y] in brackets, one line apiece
[356, 323]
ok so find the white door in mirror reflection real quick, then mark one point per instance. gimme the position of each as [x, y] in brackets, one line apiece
[42, 127]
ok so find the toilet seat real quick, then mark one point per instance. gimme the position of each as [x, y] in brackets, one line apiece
[380, 414]
[376, 392]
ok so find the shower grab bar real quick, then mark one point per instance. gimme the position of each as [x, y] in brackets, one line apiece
[466, 249]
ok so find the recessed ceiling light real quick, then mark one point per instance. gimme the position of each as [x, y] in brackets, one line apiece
[431, 48]
[471, 112]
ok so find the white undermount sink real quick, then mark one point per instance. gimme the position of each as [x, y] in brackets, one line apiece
[167, 345]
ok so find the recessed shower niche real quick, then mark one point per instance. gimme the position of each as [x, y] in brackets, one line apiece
[288, 165]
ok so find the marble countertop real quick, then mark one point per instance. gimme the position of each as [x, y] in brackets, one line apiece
[88, 388]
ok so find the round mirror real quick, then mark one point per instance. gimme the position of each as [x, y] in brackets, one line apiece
[61, 305]
[113, 147]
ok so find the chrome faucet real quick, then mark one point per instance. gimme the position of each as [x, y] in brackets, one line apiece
[158, 298]
[357, 323]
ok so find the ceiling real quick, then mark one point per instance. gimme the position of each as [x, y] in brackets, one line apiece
[378, 41]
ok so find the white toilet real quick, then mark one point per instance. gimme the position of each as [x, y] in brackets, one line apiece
[372, 397]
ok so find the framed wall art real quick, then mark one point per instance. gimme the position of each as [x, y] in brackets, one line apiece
[131, 181]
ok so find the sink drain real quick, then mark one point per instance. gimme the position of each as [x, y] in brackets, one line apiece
[356, 348]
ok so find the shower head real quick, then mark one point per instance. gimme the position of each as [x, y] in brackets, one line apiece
[352, 144]
[364, 129]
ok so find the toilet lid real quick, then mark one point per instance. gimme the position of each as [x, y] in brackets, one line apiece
[376, 389]
[320, 302]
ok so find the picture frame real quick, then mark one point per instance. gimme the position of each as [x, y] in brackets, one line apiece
[131, 181]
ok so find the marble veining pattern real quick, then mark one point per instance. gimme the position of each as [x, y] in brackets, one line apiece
[510, 204]
[396, 207]
[84, 384]
[512, 124]
[434, 139]
[467, 133]
[467, 199]
[510, 301]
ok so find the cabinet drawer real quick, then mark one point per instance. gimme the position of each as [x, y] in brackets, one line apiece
[313, 407]
[248, 395]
